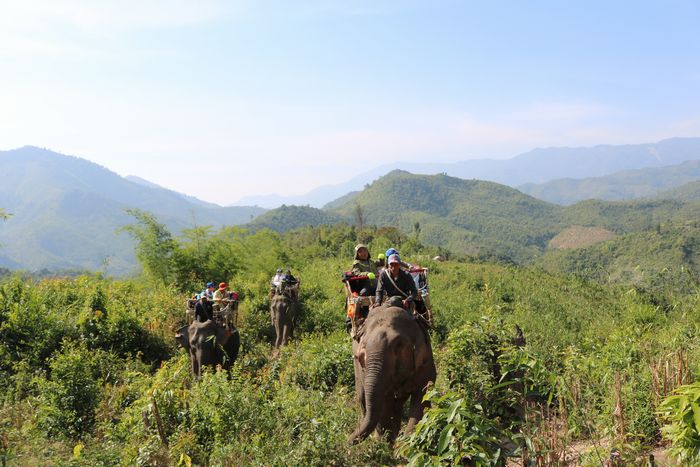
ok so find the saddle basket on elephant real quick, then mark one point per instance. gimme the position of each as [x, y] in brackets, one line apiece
[357, 301]
[225, 316]
[424, 309]
[289, 289]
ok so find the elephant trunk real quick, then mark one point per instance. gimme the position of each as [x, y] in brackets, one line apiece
[375, 388]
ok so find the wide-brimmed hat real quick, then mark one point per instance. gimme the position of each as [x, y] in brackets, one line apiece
[222, 285]
[358, 248]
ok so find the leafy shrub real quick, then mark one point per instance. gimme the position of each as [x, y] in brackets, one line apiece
[320, 363]
[71, 393]
[256, 323]
[453, 431]
[682, 412]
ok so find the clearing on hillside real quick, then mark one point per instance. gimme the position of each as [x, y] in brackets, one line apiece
[578, 236]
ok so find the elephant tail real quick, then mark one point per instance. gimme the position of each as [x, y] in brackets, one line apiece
[375, 384]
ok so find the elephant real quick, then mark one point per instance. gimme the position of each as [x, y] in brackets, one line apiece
[283, 309]
[393, 361]
[209, 344]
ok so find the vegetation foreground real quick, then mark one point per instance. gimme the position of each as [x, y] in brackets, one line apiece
[90, 373]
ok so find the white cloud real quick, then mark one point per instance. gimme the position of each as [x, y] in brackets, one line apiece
[73, 28]
[100, 16]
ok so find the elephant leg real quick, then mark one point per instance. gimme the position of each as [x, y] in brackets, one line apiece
[390, 423]
[285, 332]
[278, 331]
[415, 412]
[196, 370]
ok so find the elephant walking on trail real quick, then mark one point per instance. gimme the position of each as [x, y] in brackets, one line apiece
[283, 309]
[209, 344]
[393, 362]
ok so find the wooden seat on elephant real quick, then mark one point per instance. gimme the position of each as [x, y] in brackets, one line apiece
[227, 316]
[354, 302]
[286, 289]
[424, 309]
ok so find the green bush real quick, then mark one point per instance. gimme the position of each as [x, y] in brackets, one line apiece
[454, 431]
[320, 362]
[682, 414]
[72, 391]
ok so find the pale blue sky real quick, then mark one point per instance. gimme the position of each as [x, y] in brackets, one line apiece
[285, 96]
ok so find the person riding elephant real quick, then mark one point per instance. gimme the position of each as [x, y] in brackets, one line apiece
[203, 309]
[209, 344]
[209, 290]
[394, 251]
[363, 266]
[393, 362]
[221, 295]
[394, 281]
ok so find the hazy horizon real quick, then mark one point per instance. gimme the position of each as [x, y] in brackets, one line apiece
[270, 97]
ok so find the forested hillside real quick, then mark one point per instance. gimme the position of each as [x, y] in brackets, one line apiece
[67, 213]
[667, 256]
[90, 374]
[482, 220]
[632, 184]
[287, 218]
[469, 217]
[688, 192]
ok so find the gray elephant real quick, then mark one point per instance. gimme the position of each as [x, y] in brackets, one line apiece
[393, 362]
[283, 310]
[209, 344]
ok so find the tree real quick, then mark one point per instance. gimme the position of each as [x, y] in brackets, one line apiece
[156, 247]
[359, 214]
[416, 229]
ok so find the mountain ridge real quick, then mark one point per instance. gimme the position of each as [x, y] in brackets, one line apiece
[64, 203]
[537, 166]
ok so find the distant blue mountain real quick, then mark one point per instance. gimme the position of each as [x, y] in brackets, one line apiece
[536, 166]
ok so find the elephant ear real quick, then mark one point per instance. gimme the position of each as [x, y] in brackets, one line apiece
[224, 334]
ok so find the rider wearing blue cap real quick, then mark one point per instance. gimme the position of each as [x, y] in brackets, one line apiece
[395, 282]
[393, 251]
[209, 291]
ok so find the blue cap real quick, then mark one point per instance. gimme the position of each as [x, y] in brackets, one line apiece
[394, 259]
[210, 284]
[391, 251]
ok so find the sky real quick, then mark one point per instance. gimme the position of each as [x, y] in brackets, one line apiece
[226, 99]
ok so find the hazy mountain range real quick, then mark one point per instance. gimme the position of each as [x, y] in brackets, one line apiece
[533, 167]
[67, 212]
[628, 184]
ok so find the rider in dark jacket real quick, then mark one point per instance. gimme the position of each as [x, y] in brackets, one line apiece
[203, 310]
[395, 282]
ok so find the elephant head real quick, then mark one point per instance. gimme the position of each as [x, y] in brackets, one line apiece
[209, 344]
[393, 362]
